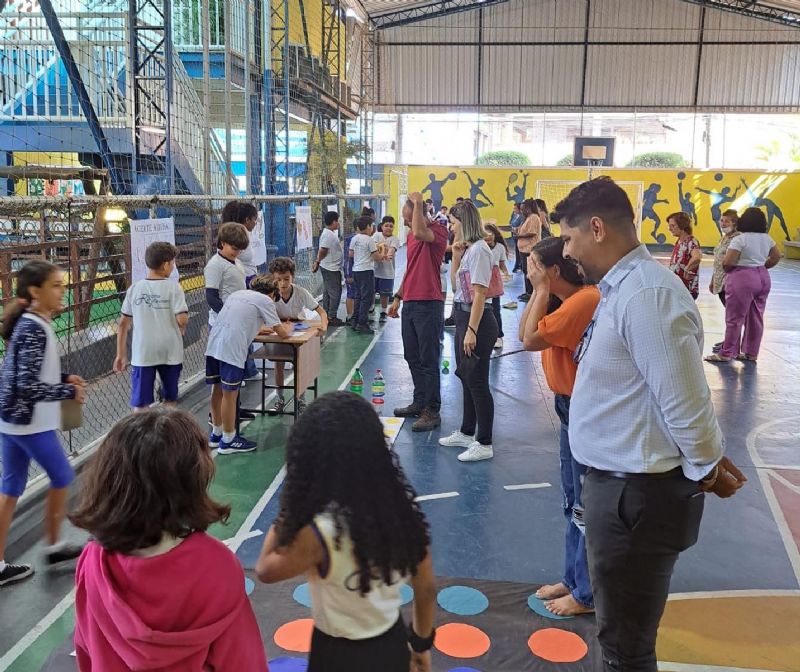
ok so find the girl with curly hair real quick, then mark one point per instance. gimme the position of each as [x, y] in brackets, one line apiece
[348, 520]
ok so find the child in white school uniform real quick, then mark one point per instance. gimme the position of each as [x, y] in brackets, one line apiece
[291, 304]
[246, 314]
[156, 308]
[388, 244]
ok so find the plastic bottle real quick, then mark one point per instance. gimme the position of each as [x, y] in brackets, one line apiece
[378, 388]
[357, 382]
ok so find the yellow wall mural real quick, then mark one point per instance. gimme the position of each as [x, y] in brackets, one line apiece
[655, 193]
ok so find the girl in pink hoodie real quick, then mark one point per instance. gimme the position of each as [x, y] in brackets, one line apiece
[154, 591]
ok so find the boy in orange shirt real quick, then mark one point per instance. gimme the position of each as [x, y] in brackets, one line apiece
[558, 322]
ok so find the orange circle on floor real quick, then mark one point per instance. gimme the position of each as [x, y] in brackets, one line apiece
[295, 635]
[459, 640]
[557, 646]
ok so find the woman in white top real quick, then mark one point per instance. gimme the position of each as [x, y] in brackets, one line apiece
[476, 333]
[747, 286]
[499, 248]
[348, 520]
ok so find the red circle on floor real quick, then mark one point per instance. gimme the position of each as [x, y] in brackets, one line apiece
[557, 646]
[295, 635]
[459, 640]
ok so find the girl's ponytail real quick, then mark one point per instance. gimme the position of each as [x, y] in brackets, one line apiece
[32, 274]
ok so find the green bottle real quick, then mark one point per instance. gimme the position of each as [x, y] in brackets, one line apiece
[357, 382]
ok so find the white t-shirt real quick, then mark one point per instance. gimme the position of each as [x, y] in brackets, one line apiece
[247, 259]
[385, 269]
[329, 240]
[46, 414]
[753, 248]
[153, 305]
[363, 247]
[338, 608]
[498, 254]
[293, 307]
[225, 275]
[238, 323]
[478, 262]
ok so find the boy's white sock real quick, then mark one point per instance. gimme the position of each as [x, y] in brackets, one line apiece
[216, 429]
[227, 437]
[2, 565]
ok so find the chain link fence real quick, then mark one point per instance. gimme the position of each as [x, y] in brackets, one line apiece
[88, 238]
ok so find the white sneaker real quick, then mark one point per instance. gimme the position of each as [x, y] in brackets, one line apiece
[498, 344]
[457, 439]
[476, 452]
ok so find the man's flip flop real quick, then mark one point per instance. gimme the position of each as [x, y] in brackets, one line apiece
[716, 359]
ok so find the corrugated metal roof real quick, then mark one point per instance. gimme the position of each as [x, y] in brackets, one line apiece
[378, 7]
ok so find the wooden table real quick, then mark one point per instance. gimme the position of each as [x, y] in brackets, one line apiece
[305, 361]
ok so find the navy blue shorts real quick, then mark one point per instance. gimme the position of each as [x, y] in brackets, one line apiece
[228, 376]
[143, 379]
[43, 448]
[384, 286]
[352, 290]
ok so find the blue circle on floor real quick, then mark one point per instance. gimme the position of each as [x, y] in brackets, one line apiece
[287, 664]
[464, 669]
[462, 600]
[302, 595]
[537, 606]
[406, 594]
[249, 586]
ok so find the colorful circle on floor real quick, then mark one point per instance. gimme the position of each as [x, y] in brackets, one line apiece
[464, 669]
[537, 606]
[288, 665]
[295, 635]
[302, 595]
[462, 600]
[406, 594]
[249, 586]
[557, 646]
[459, 640]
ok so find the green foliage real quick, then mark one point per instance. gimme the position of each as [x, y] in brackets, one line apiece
[658, 160]
[503, 158]
[566, 160]
[780, 151]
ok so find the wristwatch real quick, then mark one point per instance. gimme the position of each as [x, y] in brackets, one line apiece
[420, 644]
[397, 297]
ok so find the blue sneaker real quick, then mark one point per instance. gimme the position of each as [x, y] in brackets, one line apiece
[238, 445]
[214, 439]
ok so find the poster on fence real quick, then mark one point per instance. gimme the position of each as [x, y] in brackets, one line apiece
[258, 241]
[144, 232]
[305, 230]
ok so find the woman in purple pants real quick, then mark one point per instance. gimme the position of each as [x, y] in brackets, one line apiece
[747, 286]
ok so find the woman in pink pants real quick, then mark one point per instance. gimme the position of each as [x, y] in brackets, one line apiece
[747, 286]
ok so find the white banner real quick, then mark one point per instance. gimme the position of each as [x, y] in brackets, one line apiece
[258, 241]
[304, 225]
[143, 233]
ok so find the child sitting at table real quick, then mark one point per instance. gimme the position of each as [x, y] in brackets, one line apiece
[291, 305]
[245, 314]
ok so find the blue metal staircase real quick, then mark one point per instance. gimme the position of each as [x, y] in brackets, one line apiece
[40, 108]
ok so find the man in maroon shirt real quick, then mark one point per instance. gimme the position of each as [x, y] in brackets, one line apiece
[421, 289]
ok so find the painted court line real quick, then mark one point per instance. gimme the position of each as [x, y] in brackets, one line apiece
[721, 594]
[441, 495]
[527, 486]
[689, 667]
[239, 540]
[36, 631]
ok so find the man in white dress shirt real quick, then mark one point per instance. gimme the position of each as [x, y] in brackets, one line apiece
[641, 420]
